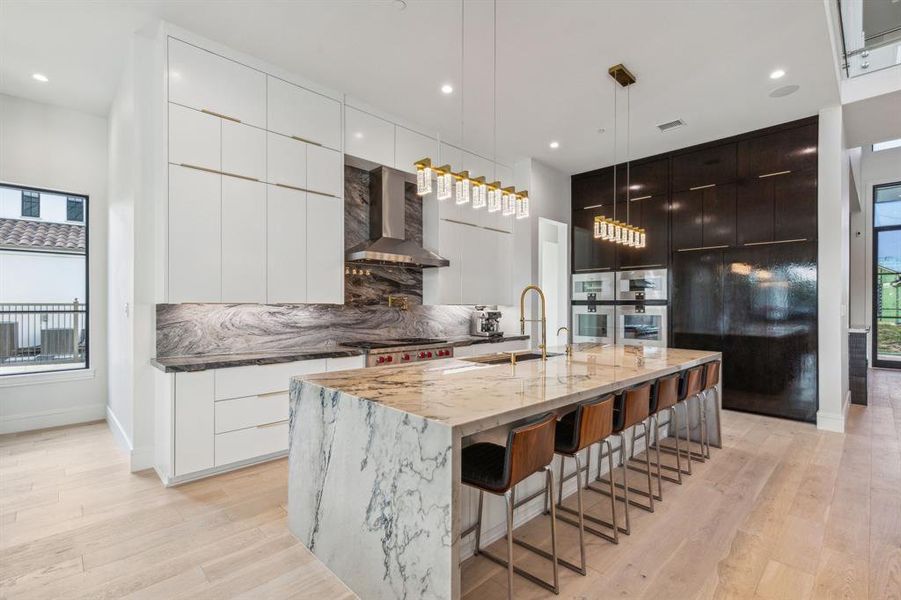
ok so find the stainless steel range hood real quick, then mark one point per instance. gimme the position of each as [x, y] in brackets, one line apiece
[387, 242]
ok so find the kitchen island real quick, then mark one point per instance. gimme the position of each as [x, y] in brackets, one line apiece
[374, 463]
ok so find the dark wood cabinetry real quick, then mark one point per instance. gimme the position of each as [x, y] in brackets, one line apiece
[704, 217]
[792, 149]
[778, 208]
[588, 254]
[701, 168]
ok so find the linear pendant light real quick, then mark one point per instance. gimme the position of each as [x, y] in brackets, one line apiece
[607, 229]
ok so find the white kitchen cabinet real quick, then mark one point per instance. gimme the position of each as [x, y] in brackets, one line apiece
[252, 443]
[194, 235]
[343, 363]
[243, 150]
[286, 245]
[243, 240]
[194, 422]
[194, 138]
[298, 112]
[368, 137]
[443, 285]
[251, 411]
[479, 248]
[502, 279]
[410, 147]
[287, 161]
[325, 171]
[206, 81]
[256, 380]
[325, 249]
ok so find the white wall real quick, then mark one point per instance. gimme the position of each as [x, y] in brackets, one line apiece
[876, 168]
[832, 267]
[49, 147]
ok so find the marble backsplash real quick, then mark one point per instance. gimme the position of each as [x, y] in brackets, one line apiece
[194, 329]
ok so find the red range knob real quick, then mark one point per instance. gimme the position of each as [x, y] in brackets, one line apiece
[406, 357]
[390, 358]
[422, 355]
[381, 359]
[430, 355]
[441, 353]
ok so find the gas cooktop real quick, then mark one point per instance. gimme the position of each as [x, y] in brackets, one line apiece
[398, 343]
[402, 350]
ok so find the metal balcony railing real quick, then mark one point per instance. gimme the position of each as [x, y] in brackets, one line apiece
[33, 334]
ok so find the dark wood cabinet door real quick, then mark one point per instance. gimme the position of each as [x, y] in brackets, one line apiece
[686, 210]
[588, 253]
[593, 189]
[718, 208]
[754, 211]
[795, 205]
[653, 214]
[789, 150]
[697, 299]
[710, 166]
[648, 179]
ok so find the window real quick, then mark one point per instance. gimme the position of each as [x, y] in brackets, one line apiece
[887, 205]
[44, 301]
[75, 209]
[31, 204]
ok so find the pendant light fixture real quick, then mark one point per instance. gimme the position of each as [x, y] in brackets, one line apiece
[463, 187]
[605, 228]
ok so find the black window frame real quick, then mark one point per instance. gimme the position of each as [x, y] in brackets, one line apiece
[75, 201]
[875, 282]
[31, 199]
[87, 276]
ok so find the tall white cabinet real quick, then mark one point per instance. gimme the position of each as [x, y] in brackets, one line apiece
[256, 185]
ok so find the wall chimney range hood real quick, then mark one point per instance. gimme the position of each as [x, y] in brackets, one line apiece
[387, 243]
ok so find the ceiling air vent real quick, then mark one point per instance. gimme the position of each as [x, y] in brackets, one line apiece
[670, 125]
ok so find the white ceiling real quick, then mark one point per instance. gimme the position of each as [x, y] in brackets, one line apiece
[705, 62]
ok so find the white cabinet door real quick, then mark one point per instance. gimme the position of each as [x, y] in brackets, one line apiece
[297, 112]
[479, 247]
[343, 363]
[325, 171]
[194, 235]
[287, 162]
[502, 279]
[443, 285]
[325, 249]
[194, 422]
[286, 245]
[368, 137]
[251, 443]
[243, 150]
[410, 147]
[194, 137]
[243, 240]
[207, 81]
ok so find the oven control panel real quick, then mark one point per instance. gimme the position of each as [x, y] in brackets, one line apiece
[383, 358]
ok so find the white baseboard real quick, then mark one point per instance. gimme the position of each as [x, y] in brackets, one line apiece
[119, 434]
[141, 458]
[52, 418]
[835, 421]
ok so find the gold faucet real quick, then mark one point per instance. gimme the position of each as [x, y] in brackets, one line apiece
[569, 346]
[522, 317]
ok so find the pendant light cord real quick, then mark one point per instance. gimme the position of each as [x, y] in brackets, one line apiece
[462, 66]
[494, 94]
[628, 154]
[615, 144]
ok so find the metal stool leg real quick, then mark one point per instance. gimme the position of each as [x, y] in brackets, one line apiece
[673, 423]
[479, 523]
[508, 498]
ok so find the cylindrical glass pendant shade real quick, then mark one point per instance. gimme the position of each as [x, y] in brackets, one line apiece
[423, 181]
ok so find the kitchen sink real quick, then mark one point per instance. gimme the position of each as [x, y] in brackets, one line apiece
[501, 358]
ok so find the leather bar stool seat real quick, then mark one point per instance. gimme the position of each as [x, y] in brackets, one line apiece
[710, 383]
[497, 469]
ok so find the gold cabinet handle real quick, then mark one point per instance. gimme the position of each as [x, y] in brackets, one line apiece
[701, 248]
[305, 140]
[775, 242]
[268, 425]
[702, 187]
[220, 115]
[773, 174]
[217, 172]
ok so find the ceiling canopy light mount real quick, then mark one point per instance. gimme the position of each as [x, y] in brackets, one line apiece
[621, 75]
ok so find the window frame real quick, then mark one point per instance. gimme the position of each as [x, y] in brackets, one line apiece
[74, 201]
[75, 372]
[33, 198]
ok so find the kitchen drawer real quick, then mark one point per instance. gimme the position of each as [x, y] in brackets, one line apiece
[239, 382]
[246, 444]
[241, 413]
[343, 363]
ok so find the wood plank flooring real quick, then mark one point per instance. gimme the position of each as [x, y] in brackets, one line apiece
[782, 511]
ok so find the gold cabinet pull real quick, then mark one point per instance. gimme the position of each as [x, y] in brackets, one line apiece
[268, 425]
[702, 187]
[220, 115]
[775, 242]
[701, 248]
[305, 140]
[217, 172]
[773, 174]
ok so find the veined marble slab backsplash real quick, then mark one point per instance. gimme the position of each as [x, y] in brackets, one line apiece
[373, 289]
[191, 329]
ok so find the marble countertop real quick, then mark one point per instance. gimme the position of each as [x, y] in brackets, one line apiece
[473, 397]
[190, 364]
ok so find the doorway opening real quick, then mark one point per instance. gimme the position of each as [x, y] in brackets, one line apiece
[887, 275]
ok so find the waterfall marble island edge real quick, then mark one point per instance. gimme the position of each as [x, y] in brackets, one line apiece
[374, 462]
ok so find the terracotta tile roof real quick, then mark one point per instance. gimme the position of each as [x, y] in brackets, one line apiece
[41, 235]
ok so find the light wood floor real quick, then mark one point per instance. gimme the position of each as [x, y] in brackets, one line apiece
[782, 511]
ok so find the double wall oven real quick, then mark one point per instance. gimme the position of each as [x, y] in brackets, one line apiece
[625, 307]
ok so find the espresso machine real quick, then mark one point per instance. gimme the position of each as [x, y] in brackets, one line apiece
[485, 322]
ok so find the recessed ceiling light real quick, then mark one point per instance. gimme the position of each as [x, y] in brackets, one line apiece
[40, 77]
[785, 90]
[554, 145]
[777, 74]
[359, 135]
[447, 89]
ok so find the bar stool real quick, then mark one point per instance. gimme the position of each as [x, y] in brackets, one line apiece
[497, 469]
[591, 423]
[690, 384]
[710, 384]
[633, 405]
[665, 396]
